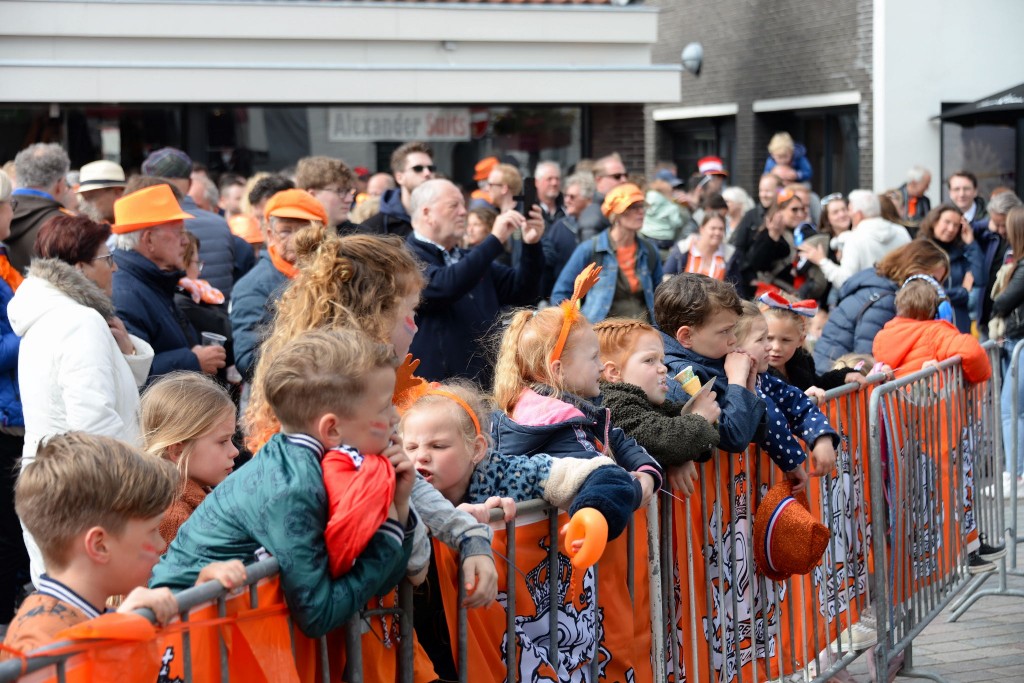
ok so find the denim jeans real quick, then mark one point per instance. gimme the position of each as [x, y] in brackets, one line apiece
[1006, 400]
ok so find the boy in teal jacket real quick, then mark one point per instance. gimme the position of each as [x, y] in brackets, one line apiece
[327, 389]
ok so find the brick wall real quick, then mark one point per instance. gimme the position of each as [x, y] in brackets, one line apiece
[757, 49]
[619, 128]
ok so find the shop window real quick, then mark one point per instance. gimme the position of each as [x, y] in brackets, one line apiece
[693, 139]
[830, 137]
[986, 150]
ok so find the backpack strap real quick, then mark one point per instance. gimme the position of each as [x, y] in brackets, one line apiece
[872, 300]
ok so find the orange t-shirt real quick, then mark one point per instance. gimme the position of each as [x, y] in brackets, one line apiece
[626, 256]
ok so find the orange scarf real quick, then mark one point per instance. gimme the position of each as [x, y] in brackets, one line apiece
[202, 291]
[9, 274]
[287, 269]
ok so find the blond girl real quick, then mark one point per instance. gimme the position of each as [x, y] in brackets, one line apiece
[189, 419]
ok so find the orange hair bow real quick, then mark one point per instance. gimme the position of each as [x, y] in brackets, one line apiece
[571, 307]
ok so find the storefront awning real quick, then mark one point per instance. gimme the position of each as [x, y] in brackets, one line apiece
[1003, 107]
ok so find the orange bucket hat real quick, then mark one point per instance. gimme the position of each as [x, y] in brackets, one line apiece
[146, 208]
[621, 198]
[295, 204]
[787, 538]
[246, 227]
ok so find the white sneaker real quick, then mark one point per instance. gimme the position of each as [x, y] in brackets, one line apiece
[857, 638]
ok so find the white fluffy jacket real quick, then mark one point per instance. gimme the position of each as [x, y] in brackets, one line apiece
[72, 375]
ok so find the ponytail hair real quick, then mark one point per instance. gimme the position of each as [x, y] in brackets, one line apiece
[525, 352]
[352, 282]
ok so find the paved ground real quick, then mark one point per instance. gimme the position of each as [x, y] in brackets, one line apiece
[985, 644]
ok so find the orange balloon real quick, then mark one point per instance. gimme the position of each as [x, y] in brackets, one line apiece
[591, 526]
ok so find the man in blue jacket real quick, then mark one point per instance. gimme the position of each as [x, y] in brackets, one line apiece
[151, 242]
[466, 289]
[216, 243]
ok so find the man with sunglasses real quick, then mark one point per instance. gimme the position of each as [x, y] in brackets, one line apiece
[412, 165]
[609, 173]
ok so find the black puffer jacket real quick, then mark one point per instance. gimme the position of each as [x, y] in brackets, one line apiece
[672, 439]
[801, 374]
[1010, 305]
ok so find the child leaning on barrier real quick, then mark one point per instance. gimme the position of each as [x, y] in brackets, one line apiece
[94, 506]
[326, 388]
[372, 284]
[788, 359]
[635, 388]
[442, 433]
[189, 420]
[790, 412]
[546, 376]
[922, 333]
[697, 317]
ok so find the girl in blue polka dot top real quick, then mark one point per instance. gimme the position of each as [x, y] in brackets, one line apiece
[790, 413]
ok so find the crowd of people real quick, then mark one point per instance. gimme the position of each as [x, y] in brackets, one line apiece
[459, 349]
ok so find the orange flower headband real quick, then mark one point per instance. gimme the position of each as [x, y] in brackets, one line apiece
[571, 307]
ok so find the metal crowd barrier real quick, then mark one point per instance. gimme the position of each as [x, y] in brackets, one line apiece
[988, 475]
[742, 627]
[934, 438]
[897, 507]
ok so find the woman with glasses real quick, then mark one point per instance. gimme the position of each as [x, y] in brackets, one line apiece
[79, 369]
[769, 260]
[14, 568]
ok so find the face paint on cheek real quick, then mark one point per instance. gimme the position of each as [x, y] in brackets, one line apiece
[150, 548]
[410, 324]
[380, 426]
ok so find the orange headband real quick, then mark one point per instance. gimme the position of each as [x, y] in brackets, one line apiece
[571, 307]
[465, 406]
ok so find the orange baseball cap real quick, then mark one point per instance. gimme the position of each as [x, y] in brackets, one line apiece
[484, 167]
[146, 208]
[246, 227]
[621, 198]
[295, 204]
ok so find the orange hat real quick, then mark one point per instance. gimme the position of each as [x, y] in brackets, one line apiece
[295, 204]
[621, 198]
[146, 208]
[246, 227]
[787, 538]
[484, 167]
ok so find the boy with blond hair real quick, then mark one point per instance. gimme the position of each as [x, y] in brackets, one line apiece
[327, 389]
[93, 505]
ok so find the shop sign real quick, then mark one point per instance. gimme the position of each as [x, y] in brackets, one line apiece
[370, 124]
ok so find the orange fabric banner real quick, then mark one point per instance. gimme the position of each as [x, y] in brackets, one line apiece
[619, 641]
[736, 620]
